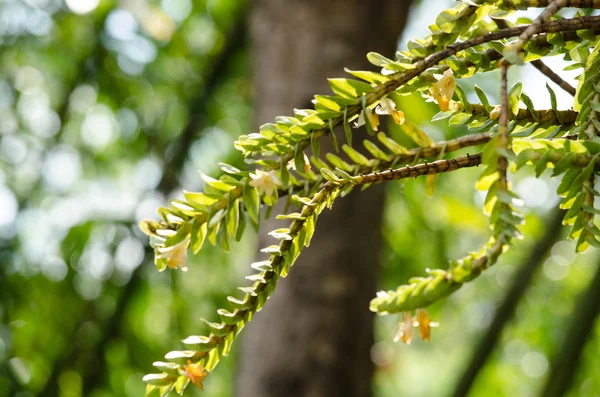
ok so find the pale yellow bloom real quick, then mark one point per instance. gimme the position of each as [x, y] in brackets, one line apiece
[195, 373]
[387, 106]
[405, 330]
[371, 116]
[266, 182]
[495, 113]
[176, 255]
[443, 90]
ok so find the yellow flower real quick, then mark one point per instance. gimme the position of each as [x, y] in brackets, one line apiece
[443, 90]
[495, 113]
[387, 106]
[195, 373]
[371, 116]
[405, 330]
[265, 181]
[176, 255]
[425, 324]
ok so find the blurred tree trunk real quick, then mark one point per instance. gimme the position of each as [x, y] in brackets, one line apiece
[314, 336]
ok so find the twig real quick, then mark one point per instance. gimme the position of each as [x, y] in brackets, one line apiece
[582, 325]
[521, 281]
[569, 3]
[503, 139]
[541, 66]
[436, 167]
[536, 25]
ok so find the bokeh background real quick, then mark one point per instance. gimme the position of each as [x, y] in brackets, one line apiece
[107, 111]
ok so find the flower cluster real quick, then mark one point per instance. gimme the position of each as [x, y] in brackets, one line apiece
[421, 320]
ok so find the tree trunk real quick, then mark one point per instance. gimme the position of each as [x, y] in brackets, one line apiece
[314, 336]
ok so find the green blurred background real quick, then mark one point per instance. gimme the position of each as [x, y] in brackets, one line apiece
[109, 108]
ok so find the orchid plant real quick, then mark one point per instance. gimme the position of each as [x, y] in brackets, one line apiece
[474, 37]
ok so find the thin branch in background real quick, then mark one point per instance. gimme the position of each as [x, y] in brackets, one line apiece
[541, 66]
[521, 281]
[581, 327]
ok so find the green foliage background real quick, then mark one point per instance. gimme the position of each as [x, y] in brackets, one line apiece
[94, 108]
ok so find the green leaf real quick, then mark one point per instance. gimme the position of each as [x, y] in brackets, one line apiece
[299, 161]
[347, 129]
[355, 156]
[230, 169]
[315, 144]
[252, 203]
[391, 144]
[552, 96]
[483, 98]
[347, 88]
[375, 151]
[217, 184]
[468, 108]
[529, 104]
[233, 218]
[514, 96]
[416, 134]
[198, 235]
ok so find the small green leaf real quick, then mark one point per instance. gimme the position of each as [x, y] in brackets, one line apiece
[347, 129]
[355, 156]
[483, 98]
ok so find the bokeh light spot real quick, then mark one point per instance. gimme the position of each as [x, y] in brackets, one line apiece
[82, 6]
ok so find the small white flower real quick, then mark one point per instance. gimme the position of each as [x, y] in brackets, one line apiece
[266, 182]
[387, 106]
[176, 255]
[405, 329]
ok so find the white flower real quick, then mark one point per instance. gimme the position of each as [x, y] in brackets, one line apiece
[405, 330]
[265, 181]
[176, 255]
[387, 106]
[372, 116]
[443, 90]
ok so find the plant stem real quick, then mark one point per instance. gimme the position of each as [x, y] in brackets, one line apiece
[521, 281]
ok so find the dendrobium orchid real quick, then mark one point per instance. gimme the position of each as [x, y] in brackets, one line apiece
[196, 374]
[388, 106]
[443, 90]
[405, 330]
[175, 255]
[266, 182]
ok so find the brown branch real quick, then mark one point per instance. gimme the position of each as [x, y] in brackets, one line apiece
[541, 66]
[569, 3]
[425, 168]
[580, 329]
[535, 27]
[503, 139]
[521, 281]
